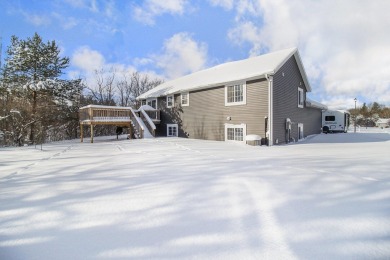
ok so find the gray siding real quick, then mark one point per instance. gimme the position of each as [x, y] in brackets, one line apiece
[285, 104]
[206, 115]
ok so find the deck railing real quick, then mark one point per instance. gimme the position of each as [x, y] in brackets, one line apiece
[148, 122]
[97, 113]
[137, 126]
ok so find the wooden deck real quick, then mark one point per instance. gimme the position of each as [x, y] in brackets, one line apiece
[92, 115]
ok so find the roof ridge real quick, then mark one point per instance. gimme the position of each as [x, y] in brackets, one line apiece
[226, 72]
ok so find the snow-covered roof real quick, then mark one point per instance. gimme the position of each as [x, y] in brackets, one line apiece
[247, 69]
[315, 104]
[104, 107]
[146, 108]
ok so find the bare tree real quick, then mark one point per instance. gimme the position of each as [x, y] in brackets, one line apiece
[124, 90]
[103, 90]
[140, 83]
[108, 89]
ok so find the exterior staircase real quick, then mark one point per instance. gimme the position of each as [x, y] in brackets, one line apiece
[141, 122]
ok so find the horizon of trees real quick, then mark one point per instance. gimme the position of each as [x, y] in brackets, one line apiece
[368, 115]
[37, 104]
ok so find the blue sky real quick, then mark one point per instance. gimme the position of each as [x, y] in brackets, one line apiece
[344, 45]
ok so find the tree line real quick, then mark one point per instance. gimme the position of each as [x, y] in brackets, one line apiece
[39, 104]
[368, 115]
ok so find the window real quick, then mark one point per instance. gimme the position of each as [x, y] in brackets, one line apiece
[235, 132]
[172, 130]
[301, 97]
[238, 134]
[185, 99]
[143, 102]
[330, 118]
[235, 94]
[170, 101]
[152, 102]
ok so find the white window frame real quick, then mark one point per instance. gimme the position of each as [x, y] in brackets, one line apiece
[151, 100]
[188, 99]
[301, 97]
[243, 126]
[173, 101]
[300, 126]
[243, 102]
[175, 126]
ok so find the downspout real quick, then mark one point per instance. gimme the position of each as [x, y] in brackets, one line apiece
[270, 109]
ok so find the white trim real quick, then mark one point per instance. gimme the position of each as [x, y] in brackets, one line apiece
[300, 125]
[234, 126]
[243, 102]
[173, 101]
[302, 95]
[270, 109]
[188, 99]
[151, 99]
[175, 126]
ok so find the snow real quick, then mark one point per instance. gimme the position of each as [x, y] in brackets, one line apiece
[315, 104]
[247, 69]
[147, 134]
[327, 197]
[107, 107]
[146, 108]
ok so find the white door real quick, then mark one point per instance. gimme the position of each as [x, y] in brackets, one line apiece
[300, 131]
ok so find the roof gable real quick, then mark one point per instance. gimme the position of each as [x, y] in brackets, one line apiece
[222, 74]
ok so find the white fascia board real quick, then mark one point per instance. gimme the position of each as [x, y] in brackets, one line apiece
[302, 70]
[297, 57]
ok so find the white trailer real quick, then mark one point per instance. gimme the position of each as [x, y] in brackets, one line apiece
[335, 121]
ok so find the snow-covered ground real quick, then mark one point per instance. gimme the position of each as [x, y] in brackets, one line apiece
[327, 197]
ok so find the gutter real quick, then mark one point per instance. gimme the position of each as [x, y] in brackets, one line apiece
[269, 78]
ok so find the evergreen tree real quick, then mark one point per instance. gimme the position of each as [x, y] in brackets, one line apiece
[32, 70]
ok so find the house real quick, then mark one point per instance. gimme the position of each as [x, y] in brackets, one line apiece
[382, 122]
[263, 96]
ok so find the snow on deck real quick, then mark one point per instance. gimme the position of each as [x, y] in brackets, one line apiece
[326, 197]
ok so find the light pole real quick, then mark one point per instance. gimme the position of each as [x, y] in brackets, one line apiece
[355, 115]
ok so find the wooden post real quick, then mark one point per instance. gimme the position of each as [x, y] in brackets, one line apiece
[130, 132]
[91, 133]
[81, 132]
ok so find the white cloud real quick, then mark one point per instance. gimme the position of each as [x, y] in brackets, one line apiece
[226, 4]
[344, 44]
[105, 8]
[152, 8]
[181, 55]
[66, 22]
[247, 31]
[77, 3]
[340, 102]
[87, 60]
[36, 19]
